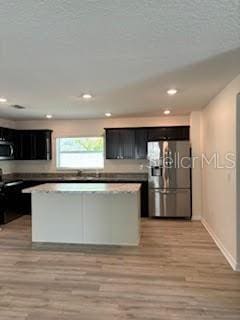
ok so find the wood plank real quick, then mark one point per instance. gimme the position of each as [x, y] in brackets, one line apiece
[176, 273]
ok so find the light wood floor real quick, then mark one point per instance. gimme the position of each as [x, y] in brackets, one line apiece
[177, 273]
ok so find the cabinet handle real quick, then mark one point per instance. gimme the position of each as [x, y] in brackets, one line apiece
[48, 145]
[11, 150]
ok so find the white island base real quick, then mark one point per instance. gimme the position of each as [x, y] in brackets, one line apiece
[86, 213]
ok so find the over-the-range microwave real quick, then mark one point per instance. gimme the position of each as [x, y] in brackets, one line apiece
[6, 150]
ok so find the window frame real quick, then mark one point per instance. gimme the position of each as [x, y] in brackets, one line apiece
[57, 141]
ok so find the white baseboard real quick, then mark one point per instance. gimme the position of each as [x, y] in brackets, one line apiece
[196, 218]
[225, 252]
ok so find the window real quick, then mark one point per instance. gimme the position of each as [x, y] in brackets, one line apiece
[80, 153]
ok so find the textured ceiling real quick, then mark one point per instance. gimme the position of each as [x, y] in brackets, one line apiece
[127, 53]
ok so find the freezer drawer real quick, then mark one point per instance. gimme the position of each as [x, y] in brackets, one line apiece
[170, 203]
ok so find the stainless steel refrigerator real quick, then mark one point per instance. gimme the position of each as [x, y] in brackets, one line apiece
[169, 179]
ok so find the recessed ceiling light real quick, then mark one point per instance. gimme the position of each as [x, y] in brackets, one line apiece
[108, 114]
[87, 96]
[172, 92]
[166, 111]
[48, 116]
[3, 100]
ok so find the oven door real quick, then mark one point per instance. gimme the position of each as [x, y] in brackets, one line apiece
[6, 150]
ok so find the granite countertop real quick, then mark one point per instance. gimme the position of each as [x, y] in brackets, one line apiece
[100, 188]
[84, 179]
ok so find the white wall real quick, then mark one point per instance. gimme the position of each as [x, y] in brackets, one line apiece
[219, 196]
[195, 123]
[68, 128]
[238, 183]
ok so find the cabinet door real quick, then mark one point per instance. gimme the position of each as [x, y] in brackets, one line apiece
[2, 134]
[33, 145]
[176, 133]
[141, 138]
[168, 133]
[41, 145]
[127, 143]
[7, 134]
[155, 134]
[183, 133]
[24, 146]
[113, 148]
[17, 146]
[120, 143]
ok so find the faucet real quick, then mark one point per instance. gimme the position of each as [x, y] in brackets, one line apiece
[97, 173]
[79, 173]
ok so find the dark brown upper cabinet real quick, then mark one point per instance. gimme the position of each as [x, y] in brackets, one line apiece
[113, 144]
[7, 134]
[42, 143]
[131, 143]
[141, 138]
[23, 145]
[127, 140]
[33, 145]
[168, 133]
[120, 144]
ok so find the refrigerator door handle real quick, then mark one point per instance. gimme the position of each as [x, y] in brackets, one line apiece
[167, 192]
[172, 191]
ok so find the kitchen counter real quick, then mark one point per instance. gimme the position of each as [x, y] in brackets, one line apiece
[86, 213]
[100, 188]
[85, 179]
[34, 179]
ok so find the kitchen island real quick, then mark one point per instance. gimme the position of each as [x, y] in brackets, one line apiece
[93, 213]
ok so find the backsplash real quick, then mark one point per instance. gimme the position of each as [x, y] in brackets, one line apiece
[69, 175]
[109, 166]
